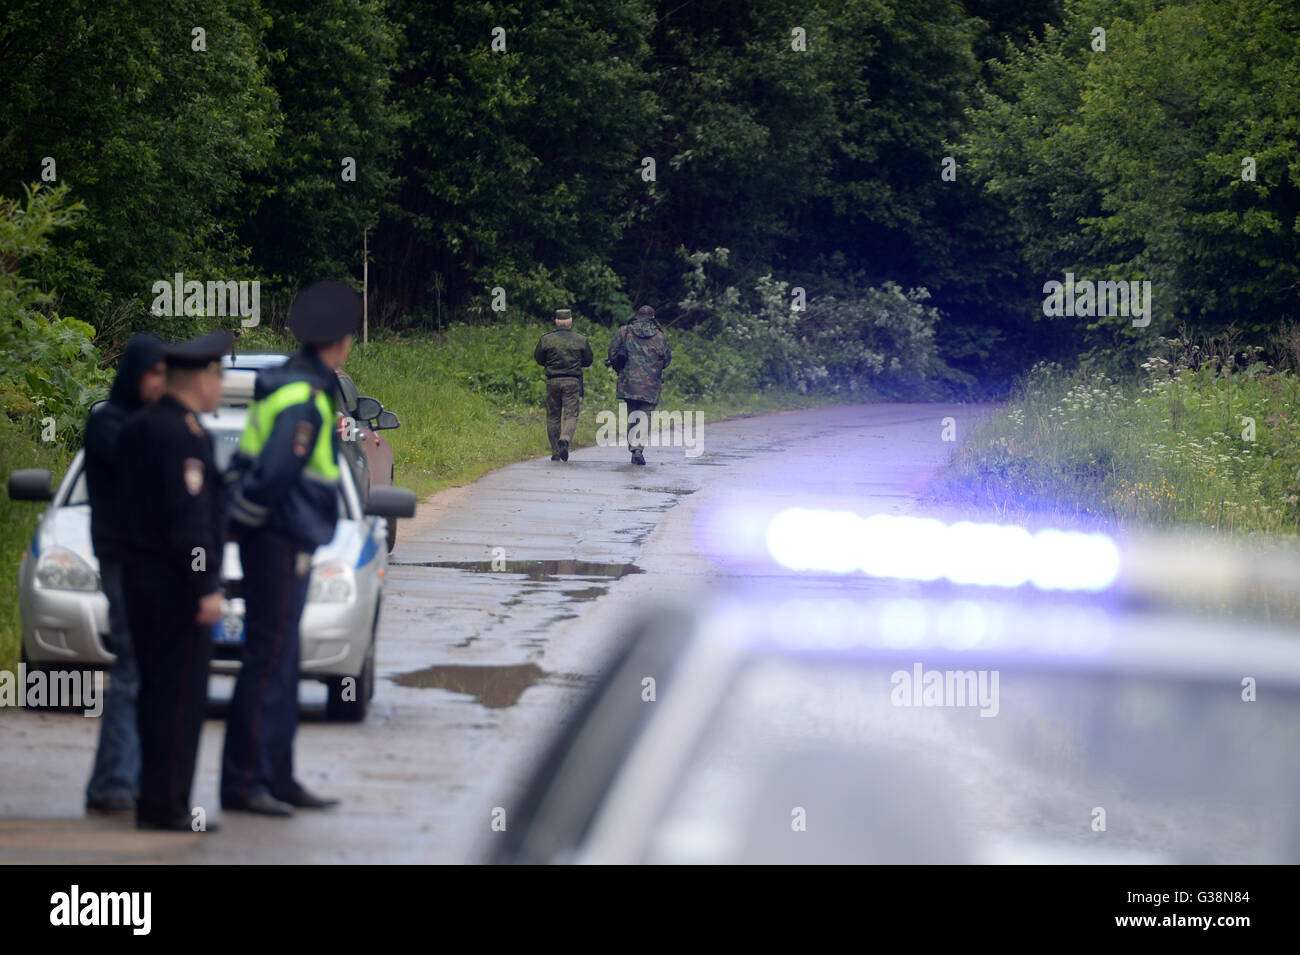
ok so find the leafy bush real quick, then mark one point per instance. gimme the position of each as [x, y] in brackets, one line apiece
[49, 366]
[850, 343]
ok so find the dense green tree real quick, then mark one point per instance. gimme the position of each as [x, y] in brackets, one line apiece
[1127, 162]
[1194, 129]
[748, 132]
[152, 134]
[520, 160]
[331, 66]
[823, 163]
[599, 154]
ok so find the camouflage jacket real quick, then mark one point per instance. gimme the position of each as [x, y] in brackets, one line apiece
[640, 353]
[563, 352]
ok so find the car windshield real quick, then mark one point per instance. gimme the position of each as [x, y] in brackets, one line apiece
[349, 391]
[224, 445]
[225, 442]
[77, 494]
[807, 762]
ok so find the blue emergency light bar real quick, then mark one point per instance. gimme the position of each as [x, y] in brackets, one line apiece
[918, 548]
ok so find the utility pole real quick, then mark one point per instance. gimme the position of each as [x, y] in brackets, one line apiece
[365, 286]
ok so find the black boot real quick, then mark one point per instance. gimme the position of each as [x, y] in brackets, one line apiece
[638, 457]
[306, 799]
[264, 804]
[564, 450]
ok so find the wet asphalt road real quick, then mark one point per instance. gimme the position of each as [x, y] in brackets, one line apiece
[503, 600]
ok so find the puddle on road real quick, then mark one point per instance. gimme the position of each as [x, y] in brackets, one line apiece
[543, 571]
[543, 582]
[495, 687]
[532, 569]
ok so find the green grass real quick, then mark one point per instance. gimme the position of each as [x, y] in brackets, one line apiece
[1168, 450]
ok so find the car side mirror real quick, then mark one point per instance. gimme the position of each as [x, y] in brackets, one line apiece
[386, 421]
[388, 501]
[368, 409]
[30, 484]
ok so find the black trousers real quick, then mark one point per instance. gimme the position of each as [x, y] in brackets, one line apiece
[173, 654]
[263, 719]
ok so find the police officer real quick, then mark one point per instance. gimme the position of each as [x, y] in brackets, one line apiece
[141, 380]
[563, 353]
[172, 510]
[284, 489]
[639, 352]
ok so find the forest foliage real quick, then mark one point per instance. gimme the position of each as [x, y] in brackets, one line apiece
[871, 192]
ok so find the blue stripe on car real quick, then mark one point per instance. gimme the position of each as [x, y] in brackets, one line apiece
[369, 549]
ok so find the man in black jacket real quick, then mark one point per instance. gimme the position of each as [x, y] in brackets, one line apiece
[115, 779]
[173, 513]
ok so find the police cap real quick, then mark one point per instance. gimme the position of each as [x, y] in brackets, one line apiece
[150, 348]
[199, 352]
[324, 313]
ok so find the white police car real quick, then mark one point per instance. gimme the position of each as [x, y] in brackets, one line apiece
[65, 616]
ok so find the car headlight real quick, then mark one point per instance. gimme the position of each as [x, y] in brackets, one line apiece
[61, 569]
[331, 582]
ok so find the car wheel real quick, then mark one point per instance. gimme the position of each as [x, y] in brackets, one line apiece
[348, 702]
[392, 521]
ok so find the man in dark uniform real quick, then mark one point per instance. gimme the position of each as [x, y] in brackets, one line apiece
[141, 380]
[563, 353]
[639, 352]
[284, 487]
[173, 510]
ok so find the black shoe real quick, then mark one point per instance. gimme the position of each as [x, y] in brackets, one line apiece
[305, 799]
[638, 457]
[264, 804]
[179, 824]
[113, 802]
[564, 450]
[555, 457]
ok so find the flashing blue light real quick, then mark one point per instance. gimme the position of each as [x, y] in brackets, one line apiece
[913, 548]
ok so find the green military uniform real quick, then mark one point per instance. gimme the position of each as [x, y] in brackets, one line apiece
[563, 353]
[639, 353]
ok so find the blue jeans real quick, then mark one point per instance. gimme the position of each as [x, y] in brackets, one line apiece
[117, 761]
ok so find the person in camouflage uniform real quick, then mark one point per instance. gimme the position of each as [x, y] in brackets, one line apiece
[563, 353]
[639, 353]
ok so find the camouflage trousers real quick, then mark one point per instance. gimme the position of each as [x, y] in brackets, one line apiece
[638, 422]
[561, 399]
